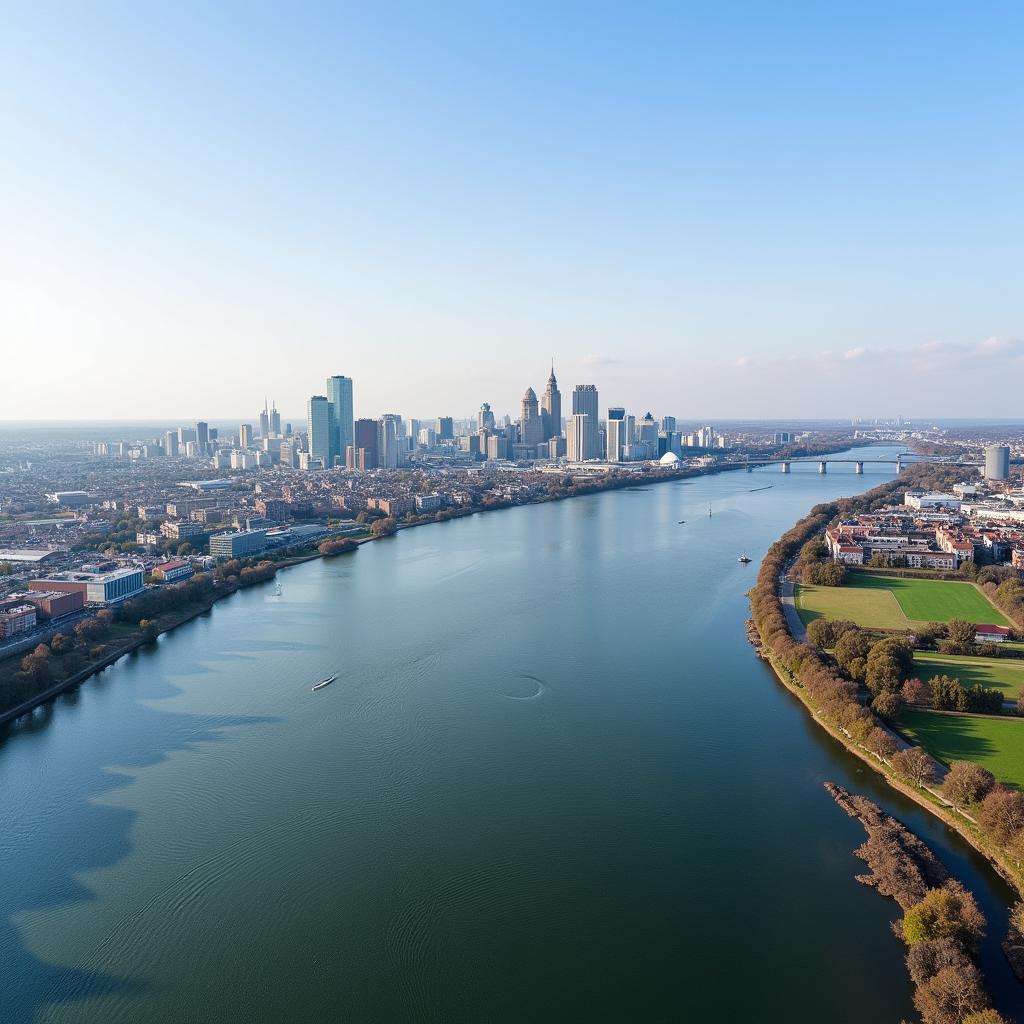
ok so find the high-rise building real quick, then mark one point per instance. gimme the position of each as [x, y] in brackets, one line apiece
[444, 428]
[584, 401]
[275, 420]
[339, 395]
[531, 426]
[551, 407]
[186, 434]
[171, 443]
[202, 436]
[265, 420]
[577, 431]
[647, 430]
[668, 424]
[485, 418]
[616, 433]
[389, 449]
[245, 435]
[997, 462]
[366, 442]
[318, 419]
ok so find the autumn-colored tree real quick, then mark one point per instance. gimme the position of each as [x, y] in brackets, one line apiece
[967, 783]
[881, 742]
[1001, 813]
[951, 996]
[914, 765]
[887, 704]
[149, 629]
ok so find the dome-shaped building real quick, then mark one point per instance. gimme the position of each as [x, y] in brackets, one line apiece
[669, 459]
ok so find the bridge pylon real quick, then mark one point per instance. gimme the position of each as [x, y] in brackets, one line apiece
[785, 467]
[823, 466]
[859, 469]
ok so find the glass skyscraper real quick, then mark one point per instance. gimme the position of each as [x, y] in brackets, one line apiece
[339, 395]
[318, 417]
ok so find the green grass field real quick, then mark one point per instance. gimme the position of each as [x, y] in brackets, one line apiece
[889, 602]
[995, 743]
[1006, 674]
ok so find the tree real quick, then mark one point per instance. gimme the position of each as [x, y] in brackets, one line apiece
[384, 527]
[851, 652]
[961, 633]
[184, 549]
[1001, 813]
[6, 568]
[149, 629]
[37, 665]
[926, 958]
[60, 644]
[887, 704]
[73, 662]
[880, 742]
[988, 1016]
[914, 765]
[966, 783]
[105, 617]
[953, 994]
[950, 912]
[912, 690]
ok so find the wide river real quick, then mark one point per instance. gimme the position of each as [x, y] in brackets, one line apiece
[552, 783]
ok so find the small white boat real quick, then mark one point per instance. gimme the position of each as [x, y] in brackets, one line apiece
[277, 590]
[326, 681]
[743, 558]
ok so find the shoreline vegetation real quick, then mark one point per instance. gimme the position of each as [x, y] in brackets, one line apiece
[988, 816]
[941, 924]
[92, 644]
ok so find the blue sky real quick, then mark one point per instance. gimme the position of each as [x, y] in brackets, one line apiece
[727, 209]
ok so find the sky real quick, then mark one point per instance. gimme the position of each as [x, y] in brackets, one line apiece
[705, 209]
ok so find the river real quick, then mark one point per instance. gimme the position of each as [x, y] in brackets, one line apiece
[551, 783]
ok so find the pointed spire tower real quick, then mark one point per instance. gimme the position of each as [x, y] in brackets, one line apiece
[551, 406]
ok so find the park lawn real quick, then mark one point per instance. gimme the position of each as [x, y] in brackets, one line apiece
[868, 607]
[1006, 674]
[891, 602]
[995, 743]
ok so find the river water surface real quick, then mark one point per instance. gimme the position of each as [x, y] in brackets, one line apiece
[552, 783]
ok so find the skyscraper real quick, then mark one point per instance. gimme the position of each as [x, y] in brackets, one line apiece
[531, 426]
[444, 428]
[366, 442]
[389, 452]
[245, 435]
[171, 444]
[339, 395]
[584, 400]
[485, 418]
[318, 418]
[616, 433]
[551, 407]
[203, 436]
[578, 427]
[668, 424]
[275, 420]
[265, 420]
[997, 462]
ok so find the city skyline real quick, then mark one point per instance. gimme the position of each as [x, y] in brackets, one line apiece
[701, 210]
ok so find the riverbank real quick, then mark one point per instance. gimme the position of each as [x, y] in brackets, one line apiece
[831, 699]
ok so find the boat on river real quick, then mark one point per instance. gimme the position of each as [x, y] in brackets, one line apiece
[744, 559]
[326, 681]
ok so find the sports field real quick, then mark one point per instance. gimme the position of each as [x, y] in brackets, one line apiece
[995, 743]
[889, 602]
[1006, 674]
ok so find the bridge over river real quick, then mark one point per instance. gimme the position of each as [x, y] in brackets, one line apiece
[898, 461]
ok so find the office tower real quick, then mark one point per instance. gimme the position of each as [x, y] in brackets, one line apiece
[265, 420]
[647, 430]
[577, 431]
[318, 419]
[366, 442]
[584, 401]
[485, 418]
[275, 420]
[551, 407]
[245, 435]
[997, 462]
[212, 434]
[668, 424]
[412, 429]
[171, 443]
[616, 430]
[531, 426]
[388, 447]
[339, 395]
[202, 436]
[445, 431]
[426, 436]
